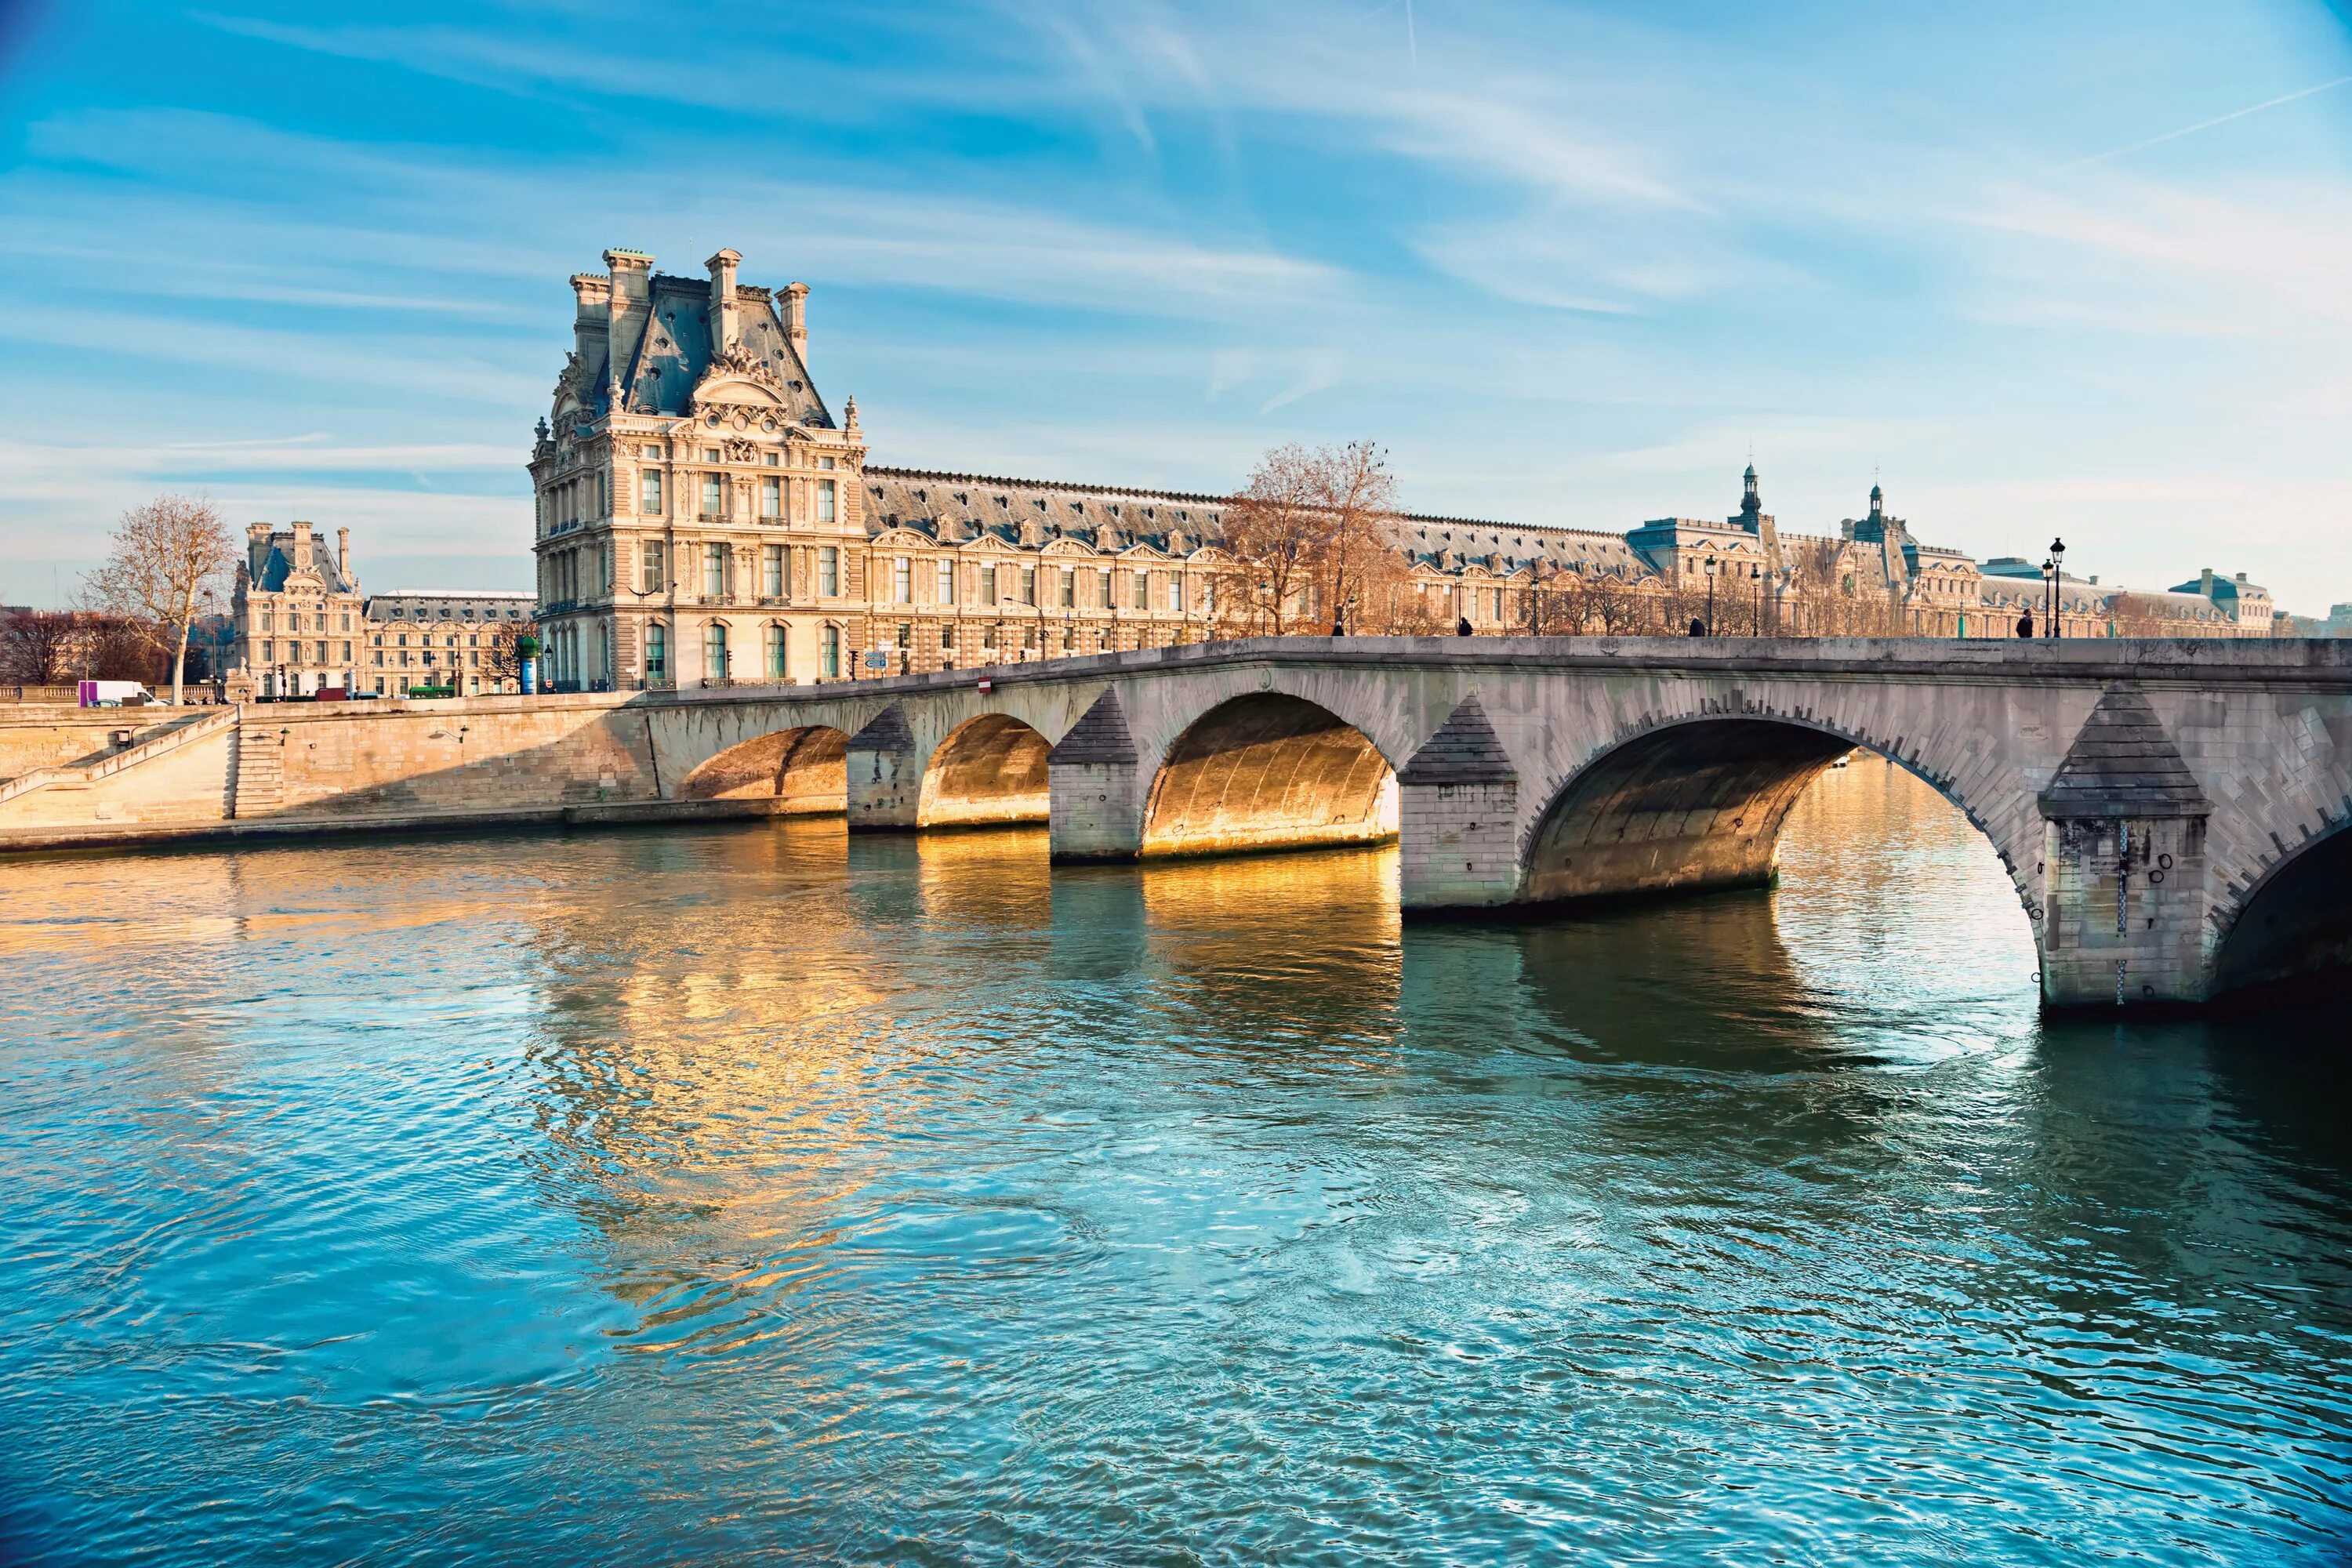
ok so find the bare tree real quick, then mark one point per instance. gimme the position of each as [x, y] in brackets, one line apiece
[1612, 602]
[2137, 616]
[169, 559]
[1275, 527]
[37, 646]
[1360, 572]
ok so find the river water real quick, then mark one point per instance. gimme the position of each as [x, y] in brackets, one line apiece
[749, 1193]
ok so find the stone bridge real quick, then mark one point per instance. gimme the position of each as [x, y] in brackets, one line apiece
[2167, 811]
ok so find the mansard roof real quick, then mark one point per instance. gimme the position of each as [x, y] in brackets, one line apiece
[1037, 511]
[666, 351]
[278, 567]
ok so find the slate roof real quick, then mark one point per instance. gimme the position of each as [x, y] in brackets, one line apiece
[280, 565]
[970, 505]
[2123, 764]
[1465, 750]
[663, 366]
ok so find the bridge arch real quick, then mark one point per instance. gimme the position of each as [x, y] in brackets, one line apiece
[802, 766]
[1696, 803]
[988, 772]
[1268, 770]
[2293, 927]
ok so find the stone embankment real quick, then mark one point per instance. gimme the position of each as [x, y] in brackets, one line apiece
[84, 777]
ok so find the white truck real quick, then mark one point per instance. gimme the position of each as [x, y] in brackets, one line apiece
[117, 694]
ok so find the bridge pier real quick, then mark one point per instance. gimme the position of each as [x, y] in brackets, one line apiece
[883, 776]
[1096, 810]
[2123, 911]
[1457, 817]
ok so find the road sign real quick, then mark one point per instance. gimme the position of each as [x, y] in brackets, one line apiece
[877, 659]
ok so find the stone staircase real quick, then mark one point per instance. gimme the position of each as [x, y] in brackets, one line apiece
[158, 740]
[257, 772]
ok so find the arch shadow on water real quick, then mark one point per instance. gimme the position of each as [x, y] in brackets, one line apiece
[988, 772]
[804, 769]
[2290, 940]
[1267, 772]
[1694, 805]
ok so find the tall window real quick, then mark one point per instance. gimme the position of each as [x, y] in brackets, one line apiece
[945, 593]
[1028, 585]
[1143, 590]
[988, 584]
[656, 652]
[714, 650]
[828, 571]
[1175, 590]
[712, 489]
[1103, 589]
[772, 496]
[772, 571]
[775, 652]
[1069, 587]
[714, 571]
[650, 575]
[902, 581]
[832, 645]
[825, 500]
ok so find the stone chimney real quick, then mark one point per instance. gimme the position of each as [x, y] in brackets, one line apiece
[2205, 582]
[724, 328]
[592, 298]
[256, 547]
[344, 558]
[301, 545]
[792, 306]
[631, 305]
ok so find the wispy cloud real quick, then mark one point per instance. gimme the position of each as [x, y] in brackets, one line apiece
[2202, 125]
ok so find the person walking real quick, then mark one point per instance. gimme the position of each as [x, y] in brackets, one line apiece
[1462, 629]
[1697, 628]
[2025, 625]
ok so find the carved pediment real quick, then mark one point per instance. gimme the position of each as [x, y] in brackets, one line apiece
[739, 385]
[1065, 547]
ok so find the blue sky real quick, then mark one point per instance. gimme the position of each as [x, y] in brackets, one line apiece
[2035, 267]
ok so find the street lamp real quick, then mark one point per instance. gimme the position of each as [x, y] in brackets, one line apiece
[1710, 596]
[2057, 574]
[1755, 580]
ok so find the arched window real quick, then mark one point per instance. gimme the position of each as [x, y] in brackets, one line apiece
[656, 652]
[714, 650]
[775, 651]
[832, 643]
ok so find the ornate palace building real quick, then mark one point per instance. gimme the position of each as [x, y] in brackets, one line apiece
[299, 625]
[704, 517]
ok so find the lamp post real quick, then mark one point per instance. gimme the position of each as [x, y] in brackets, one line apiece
[2057, 576]
[1710, 596]
[1756, 582]
[2049, 586]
